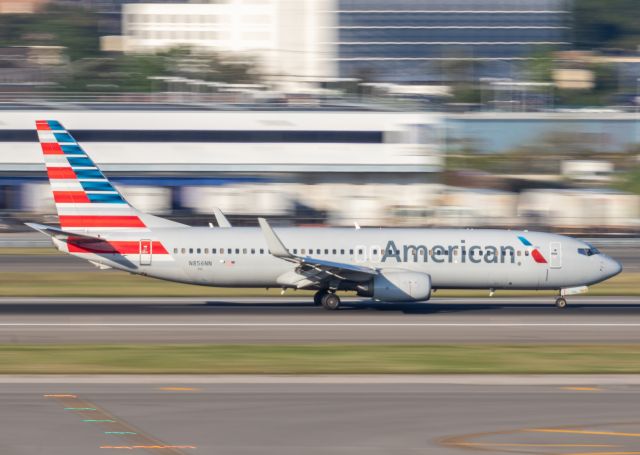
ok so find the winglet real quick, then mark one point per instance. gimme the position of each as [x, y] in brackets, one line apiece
[274, 243]
[222, 220]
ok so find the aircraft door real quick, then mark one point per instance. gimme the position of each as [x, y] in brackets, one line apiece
[555, 255]
[145, 252]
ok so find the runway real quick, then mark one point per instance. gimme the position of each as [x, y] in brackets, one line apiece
[289, 418]
[282, 320]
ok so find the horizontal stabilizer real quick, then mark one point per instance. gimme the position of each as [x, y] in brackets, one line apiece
[61, 234]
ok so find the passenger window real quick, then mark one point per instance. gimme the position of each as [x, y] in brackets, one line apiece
[526, 253]
[244, 251]
[351, 251]
[303, 251]
[221, 250]
[253, 251]
[318, 251]
[206, 251]
[175, 251]
[342, 251]
[198, 251]
[375, 252]
[335, 252]
[213, 251]
[295, 251]
[519, 252]
[261, 250]
[184, 251]
[190, 250]
[237, 250]
[326, 251]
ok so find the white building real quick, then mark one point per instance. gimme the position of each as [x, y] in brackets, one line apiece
[285, 36]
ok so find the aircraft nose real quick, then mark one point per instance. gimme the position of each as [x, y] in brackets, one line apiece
[611, 267]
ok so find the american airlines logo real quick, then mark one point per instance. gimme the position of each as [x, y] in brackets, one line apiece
[462, 253]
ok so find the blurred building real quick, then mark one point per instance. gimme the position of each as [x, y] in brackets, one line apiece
[20, 6]
[289, 38]
[404, 41]
[278, 163]
[429, 40]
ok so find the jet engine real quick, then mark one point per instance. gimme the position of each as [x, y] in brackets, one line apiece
[398, 286]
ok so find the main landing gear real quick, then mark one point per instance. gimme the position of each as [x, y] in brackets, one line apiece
[328, 300]
[561, 302]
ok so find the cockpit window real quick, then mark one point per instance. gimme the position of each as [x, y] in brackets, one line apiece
[590, 251]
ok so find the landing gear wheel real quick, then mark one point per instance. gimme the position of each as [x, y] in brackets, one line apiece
[561, 302]
[330, 302]
[318, 296]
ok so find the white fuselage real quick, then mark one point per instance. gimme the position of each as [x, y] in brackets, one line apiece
[454, 258]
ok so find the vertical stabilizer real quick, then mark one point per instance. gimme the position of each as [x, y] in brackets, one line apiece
[84, 197]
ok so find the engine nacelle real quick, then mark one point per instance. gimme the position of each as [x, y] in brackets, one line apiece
[398, 286]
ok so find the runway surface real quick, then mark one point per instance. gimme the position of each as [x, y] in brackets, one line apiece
[291, 418]
[280, 320]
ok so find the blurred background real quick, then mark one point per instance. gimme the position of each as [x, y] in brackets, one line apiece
[467, 113]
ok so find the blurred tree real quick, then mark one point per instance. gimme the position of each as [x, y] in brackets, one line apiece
[74, 28]
[602, 24]
[540, 68]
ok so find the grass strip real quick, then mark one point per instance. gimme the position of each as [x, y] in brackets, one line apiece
[111, 283]
[319, 359]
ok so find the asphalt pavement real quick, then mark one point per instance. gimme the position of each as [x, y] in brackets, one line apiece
[289, 418]
[294, 320]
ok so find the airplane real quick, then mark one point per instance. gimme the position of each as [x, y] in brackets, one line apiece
[386, 264]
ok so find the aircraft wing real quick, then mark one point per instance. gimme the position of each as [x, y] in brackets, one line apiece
[320, 268]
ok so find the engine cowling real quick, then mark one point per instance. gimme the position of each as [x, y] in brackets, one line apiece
[399, 286]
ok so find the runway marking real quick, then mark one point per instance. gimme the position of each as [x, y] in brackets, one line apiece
[582, 389]
[588, 432]
[605, 453]
[178, 389]
[507, 444]
[320, 324]
[152, 447]
[131, 437]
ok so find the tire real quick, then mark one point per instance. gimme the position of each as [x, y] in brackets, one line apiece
[561, 302]
[331, 302]
[318, 296]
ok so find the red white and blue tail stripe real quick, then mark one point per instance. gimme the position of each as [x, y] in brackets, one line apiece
[84, 198]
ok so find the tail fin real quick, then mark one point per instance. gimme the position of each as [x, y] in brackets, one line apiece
[84, 198]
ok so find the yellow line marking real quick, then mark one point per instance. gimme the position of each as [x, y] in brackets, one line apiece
[582, 389]
[152, 447]
[490, 444]
[605, 453]
[597, 433]
[178, 389]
